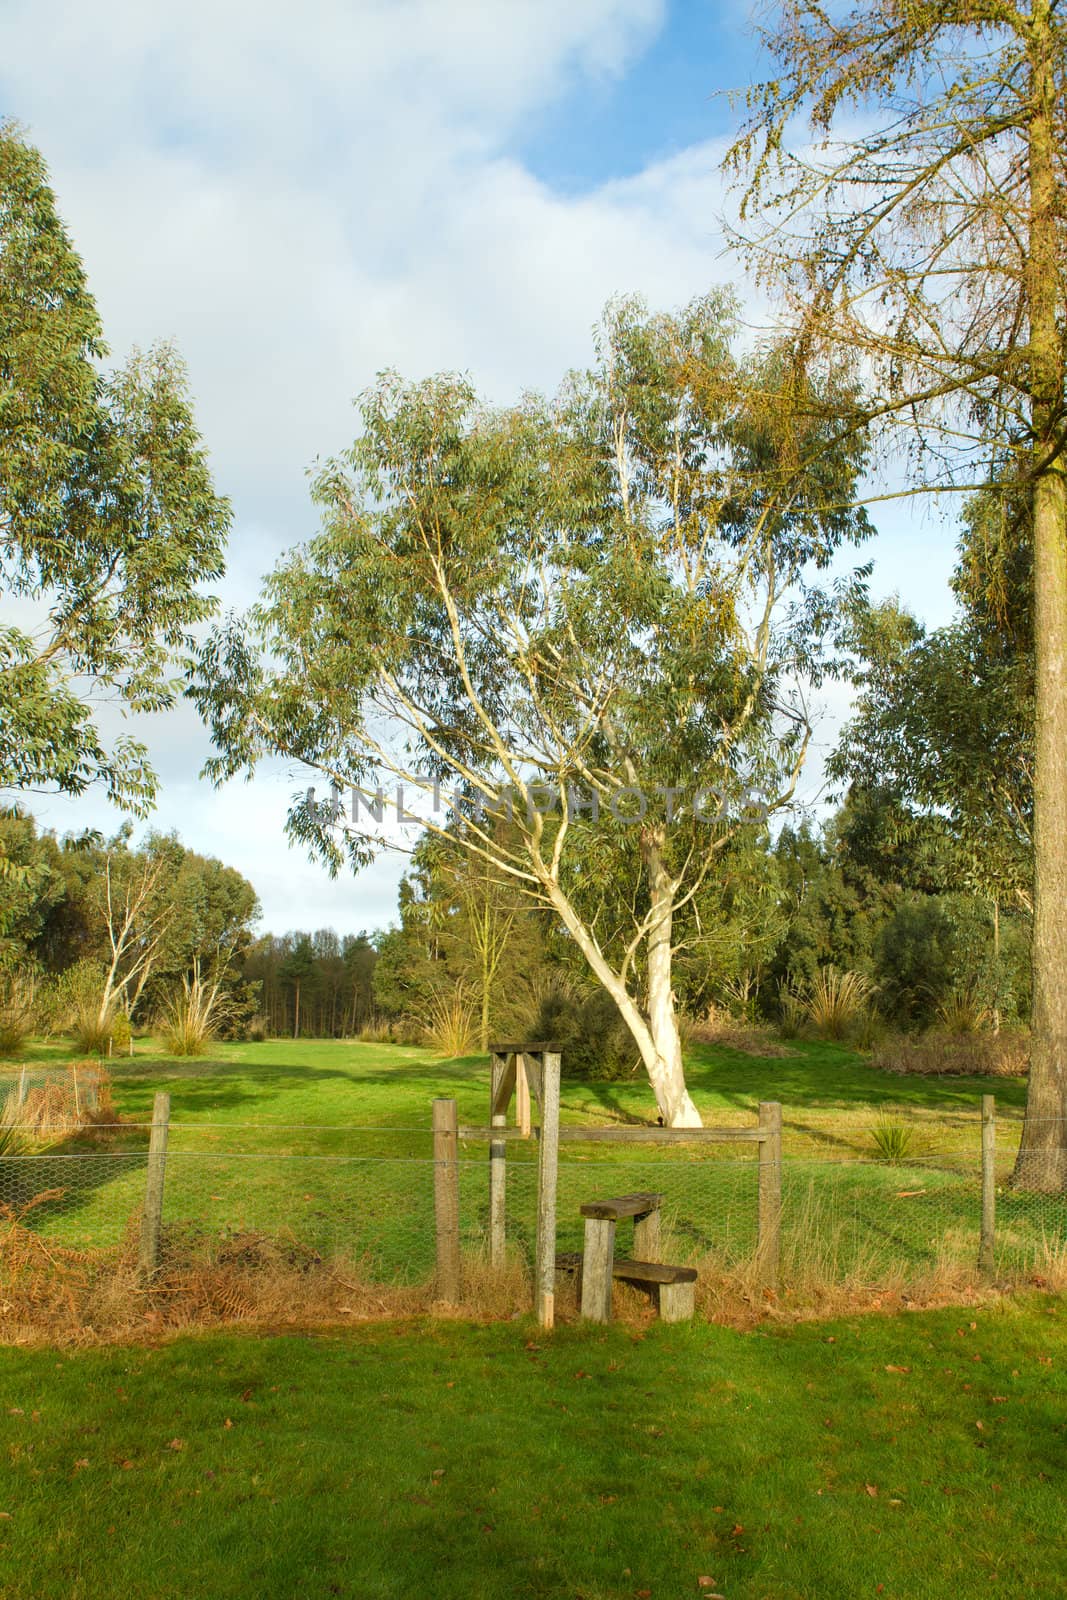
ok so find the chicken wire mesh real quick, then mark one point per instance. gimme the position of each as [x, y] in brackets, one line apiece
[365, 1195]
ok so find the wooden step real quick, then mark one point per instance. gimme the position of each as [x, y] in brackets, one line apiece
[632, 1271]
[624, 1205]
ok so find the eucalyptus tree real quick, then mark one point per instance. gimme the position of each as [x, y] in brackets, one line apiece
[593, 618]
[108, 518]
[923, 229]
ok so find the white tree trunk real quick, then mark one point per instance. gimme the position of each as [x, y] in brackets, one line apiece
[668, 1075]
[656, 1037]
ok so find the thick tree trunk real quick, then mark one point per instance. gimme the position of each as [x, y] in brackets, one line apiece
[1042, 1159]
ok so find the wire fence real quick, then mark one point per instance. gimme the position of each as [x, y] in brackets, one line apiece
[364, 1195]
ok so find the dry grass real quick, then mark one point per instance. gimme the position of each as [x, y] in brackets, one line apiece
[718, 1027]
[53, 1294]
[450, 1026]
[939, 1053]
[79, 1099]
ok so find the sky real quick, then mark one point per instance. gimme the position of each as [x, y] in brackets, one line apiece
[300, 196]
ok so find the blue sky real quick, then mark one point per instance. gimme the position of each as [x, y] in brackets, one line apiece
[300, 196]
[671, 97]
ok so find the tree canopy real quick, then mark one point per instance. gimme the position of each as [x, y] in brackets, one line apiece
[109, 522]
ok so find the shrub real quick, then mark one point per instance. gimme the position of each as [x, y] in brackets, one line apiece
[449, 1027]
[792, 1012]
[258, 1030]
[595, 1042]
[837, 1002]
[17, 1011]
[892, 1140]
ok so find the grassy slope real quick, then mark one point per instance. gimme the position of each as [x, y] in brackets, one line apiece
[823, 1462]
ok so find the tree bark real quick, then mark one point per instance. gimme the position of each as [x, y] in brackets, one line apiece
[1042, 1158]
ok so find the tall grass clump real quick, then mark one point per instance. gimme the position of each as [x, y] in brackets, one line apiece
[963, 1013]
[17, 1010]
[450, 1026]
[837, 1003]
[191, 1017]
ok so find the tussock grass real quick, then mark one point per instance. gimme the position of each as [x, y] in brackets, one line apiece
[18, 994]
[450, 1026]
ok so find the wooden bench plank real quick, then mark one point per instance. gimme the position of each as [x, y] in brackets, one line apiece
[623, 1205]
[632, 1271]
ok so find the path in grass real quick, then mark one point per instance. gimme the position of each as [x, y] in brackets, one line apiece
[917, 1458]
[329, 1140]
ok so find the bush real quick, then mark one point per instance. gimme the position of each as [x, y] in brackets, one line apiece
[595, 1043]
[258, 1030]
[17, 1011]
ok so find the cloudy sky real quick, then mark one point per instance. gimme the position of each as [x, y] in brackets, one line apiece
[300, 195]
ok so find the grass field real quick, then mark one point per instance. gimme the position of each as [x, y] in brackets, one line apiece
[328, 1141]
[918, 1458]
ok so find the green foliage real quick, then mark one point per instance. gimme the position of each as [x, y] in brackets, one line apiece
[108, 513]
[595, 1042]
[894, 1141]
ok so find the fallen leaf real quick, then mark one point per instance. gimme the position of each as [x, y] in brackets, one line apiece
[82, 1462]
[980, 1426]
[5, 1516]
[176, 1444]
[127, 1466]
[227, 1423]
[737, 1529]
[16, 1411]
[891, 1368]
[872, 1490]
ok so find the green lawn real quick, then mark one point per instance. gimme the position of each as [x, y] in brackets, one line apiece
[329, 1141]
[915, 1457]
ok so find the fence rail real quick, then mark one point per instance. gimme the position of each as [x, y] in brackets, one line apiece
[408, 1205]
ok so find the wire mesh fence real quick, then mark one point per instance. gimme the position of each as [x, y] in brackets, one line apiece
[364, 1196]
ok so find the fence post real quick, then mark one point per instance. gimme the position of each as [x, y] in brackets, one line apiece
[498, 1152]
[152, 1216]
[989, 1184]
[770, 1190]
[547, 1177]
[446, 1197]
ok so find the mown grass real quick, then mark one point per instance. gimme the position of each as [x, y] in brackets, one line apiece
[918, 1457]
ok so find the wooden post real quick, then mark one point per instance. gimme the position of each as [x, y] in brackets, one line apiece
[152, 1216]
[498, 1151]
[20, 1096]
[446, 1198]
[522, 1098]
[770, 1190]
[547, 1176]
[647, 1236]
[598, 1259]
[986, 1261]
